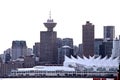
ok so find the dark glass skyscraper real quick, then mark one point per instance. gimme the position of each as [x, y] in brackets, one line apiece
[48, 47]
[88, 39]
[106, 48]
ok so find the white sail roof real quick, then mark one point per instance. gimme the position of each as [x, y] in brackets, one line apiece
[92, 61]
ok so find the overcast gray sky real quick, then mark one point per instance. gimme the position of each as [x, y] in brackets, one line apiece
[23, 19]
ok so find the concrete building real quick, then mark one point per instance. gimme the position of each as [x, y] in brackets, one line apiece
[5, 68]
[109, 32]
[116, 48]
[43, 72]
[59, 42]
[48, 47]
[7, 58]
[7, 53]
[19, 49]
[29, 61]
[88, 39]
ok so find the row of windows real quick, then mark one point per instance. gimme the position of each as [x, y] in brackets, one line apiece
[43, 72]
[64, 74]
[69, 72]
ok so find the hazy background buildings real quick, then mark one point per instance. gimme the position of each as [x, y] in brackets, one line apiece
[23, 20]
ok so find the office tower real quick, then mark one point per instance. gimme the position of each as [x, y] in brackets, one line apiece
[68, 42]
[7, 57]
[106, 48]
[107, 45]
[65, 47]
[88, 39]
[109, 32]
[19, 49]
[36, 52]
[2, 57]
[7, 54]
[64, 51]
[116, 48]
[48, 47]
[75, 50]
[59, 42]
[97, 44]
[36, 49]
[80, 50]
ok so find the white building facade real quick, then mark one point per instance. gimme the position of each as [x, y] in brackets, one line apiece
[116, 48]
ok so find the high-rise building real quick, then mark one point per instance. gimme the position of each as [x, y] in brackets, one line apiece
[80, 50]
[36, 49]
[59, 42]
[88, 39]
[64, 50]
[68, 42]
[7, 55]
[106, 48]
[76, 50]
[97, 44]
[116, 48]
[19, 49]
[109, 32]
[48, 47]
[107, 45]
[65, 47]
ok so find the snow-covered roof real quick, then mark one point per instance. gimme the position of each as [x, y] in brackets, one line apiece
[92, 61]
[66, 46]
[19, 59]
[47, 68]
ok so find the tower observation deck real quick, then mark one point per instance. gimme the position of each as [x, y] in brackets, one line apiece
[50, 24]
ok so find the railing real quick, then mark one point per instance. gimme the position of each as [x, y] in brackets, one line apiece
[67, 74]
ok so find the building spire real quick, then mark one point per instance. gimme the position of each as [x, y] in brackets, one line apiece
[49, 19]
[50, 24]
[50, 14]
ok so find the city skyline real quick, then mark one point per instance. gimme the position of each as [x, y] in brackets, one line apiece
[23, 20]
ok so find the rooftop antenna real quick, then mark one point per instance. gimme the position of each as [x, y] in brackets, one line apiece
[50, 14]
